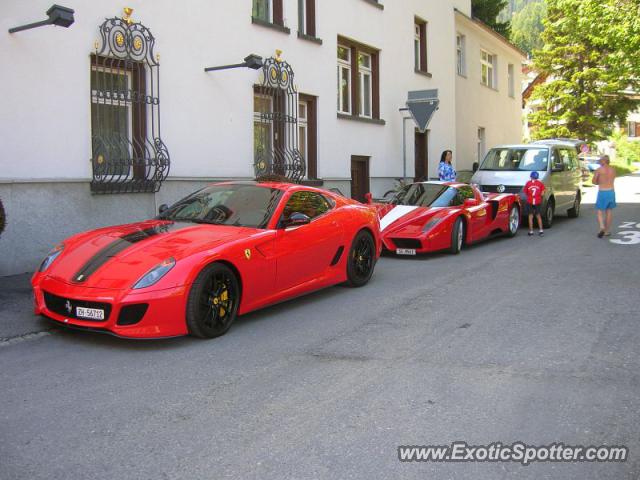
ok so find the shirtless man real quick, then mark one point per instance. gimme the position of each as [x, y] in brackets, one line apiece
[606, 201]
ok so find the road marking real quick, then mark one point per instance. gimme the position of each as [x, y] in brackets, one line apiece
[627, 225]
[629, 236]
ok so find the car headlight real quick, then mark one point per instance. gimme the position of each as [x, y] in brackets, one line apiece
[51, 256]
[431, 223]
[155, 274]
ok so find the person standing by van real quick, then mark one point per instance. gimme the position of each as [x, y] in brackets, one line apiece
[534, 189]
[605, 177]
[446, 172]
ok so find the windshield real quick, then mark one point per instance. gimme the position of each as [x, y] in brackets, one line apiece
[514, 159]
[425, 195]
[237, 205]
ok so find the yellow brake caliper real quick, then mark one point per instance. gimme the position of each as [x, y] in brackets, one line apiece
[224, 296]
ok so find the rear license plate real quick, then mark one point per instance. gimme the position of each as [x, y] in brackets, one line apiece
[91, 313]
[406, 251]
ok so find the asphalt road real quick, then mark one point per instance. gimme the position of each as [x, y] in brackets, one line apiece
[526, 339]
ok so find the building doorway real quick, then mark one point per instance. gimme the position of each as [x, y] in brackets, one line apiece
[421, 156]
[359, 177]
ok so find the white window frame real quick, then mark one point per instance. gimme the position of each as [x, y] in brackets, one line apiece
[269, 12]
[488, 64]
[482, 142]
[362, 73]
[344, 65]
[631, 129]
[303, 128]
[461, 67]
[511, 80]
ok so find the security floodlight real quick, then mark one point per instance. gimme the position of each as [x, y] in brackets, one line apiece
[59, 16]
[252, 61]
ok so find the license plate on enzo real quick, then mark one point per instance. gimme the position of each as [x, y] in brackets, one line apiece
[91, 313]
[406, 251]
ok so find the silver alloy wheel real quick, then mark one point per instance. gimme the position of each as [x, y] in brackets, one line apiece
[514, 220]
[460, 235]
[549, 214]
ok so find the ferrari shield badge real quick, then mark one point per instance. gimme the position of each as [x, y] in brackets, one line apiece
[247, 253]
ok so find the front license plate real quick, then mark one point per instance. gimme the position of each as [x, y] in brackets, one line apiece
[91, 313]
[406, 251]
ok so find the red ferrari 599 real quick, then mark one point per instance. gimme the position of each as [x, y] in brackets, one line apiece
[223, 251]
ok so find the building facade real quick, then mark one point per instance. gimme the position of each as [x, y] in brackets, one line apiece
[488, 90]
[94, 134]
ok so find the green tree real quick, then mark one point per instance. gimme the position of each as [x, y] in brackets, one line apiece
[488, 11]
[591, 56]
[527, 26]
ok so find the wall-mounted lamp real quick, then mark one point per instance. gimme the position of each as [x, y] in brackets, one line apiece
[252, 61]
[59, 16]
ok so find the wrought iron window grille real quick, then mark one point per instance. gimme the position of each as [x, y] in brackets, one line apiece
[276, 147]
[128, 153]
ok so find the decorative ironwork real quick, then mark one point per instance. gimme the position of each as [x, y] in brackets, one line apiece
[128, 154]
[276, 123]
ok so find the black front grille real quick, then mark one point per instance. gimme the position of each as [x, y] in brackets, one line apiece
[132, 314]
[406, 243]
[507, 189]
[67, 307]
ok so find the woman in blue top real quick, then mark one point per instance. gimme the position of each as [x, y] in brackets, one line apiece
[446, 172]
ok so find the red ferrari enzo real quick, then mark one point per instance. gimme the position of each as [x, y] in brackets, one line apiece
[223, 251]
[431, 216]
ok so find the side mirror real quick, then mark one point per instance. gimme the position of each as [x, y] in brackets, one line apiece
[559, 167]
[163, 208]
[295, 220]
[475, 167]
[470, 202]
[368, 198]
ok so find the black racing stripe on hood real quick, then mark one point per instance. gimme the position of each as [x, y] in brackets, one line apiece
[114, 248]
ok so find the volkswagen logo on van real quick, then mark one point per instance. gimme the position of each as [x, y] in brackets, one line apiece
[501, 189]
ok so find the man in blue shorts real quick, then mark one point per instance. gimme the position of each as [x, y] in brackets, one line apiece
[605, 177]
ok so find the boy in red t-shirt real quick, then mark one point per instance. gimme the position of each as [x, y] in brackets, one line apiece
[534, 190]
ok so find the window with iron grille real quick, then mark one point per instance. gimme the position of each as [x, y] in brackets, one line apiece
[127, 151]
[275, 122]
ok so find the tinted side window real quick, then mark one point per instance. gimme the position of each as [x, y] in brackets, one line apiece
[312, 204]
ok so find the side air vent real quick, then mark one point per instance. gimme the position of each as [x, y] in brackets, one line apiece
[336, 257]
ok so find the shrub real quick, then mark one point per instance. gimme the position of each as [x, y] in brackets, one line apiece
[627, 151]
